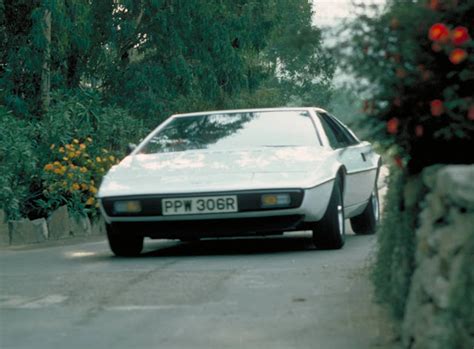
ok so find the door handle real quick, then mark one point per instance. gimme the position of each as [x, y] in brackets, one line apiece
[363, 156]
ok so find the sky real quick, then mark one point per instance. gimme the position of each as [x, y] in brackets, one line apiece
[329, 12]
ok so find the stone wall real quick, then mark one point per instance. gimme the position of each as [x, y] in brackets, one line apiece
[440, 309]
[59, 225]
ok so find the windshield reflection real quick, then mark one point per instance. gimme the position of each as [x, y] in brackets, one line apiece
[234, 131]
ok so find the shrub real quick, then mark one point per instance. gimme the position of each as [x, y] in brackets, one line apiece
[72, 176]
[18, 164]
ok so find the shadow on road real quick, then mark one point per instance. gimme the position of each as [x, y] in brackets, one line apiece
[239, 246]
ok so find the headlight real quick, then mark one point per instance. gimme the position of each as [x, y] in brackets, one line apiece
[275, 200]
[129, 206]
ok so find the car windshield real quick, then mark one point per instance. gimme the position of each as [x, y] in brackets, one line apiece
[234, 131]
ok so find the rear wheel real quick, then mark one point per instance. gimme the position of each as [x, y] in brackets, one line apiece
[122, 243]
[366, 222]
[329, 232]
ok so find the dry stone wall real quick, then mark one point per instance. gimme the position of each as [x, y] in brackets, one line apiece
[440, 310]
[59, 225]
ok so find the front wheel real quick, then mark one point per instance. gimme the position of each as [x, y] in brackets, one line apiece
[329, 232]
[122, 243]
[366, 222]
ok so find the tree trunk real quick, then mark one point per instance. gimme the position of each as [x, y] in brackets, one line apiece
[46, 69]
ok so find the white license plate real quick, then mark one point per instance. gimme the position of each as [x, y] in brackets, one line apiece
[199, 205]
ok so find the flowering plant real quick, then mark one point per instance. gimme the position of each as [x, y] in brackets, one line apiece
[73, 174]
[419, 59]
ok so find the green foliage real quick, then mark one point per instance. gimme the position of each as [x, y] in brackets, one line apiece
[26, 148]
[71, 176]
[420, 96]
[18, 164]
[396, 248]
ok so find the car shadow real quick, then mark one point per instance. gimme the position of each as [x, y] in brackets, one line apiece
[230, 246]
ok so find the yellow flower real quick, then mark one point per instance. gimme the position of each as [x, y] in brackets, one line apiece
[90, 201]
[84, 186]
[78, 153]
[92, 182]
[98, 159]
[89, 139]
[57, 171]
[93, 189]
[65, 158]
[57, 163]
[76, 141]
[82, 146]
[48, 167]
[70, 175]
[111, 158]
[64, 183]
[70, 154]
[69, 146]
[75, 186]
[83, 169]
[51, 146]
[61, 149]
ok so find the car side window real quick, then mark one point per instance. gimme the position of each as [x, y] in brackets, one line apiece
[347, 134]
[336, 137]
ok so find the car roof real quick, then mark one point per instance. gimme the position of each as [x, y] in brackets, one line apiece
[252, 110]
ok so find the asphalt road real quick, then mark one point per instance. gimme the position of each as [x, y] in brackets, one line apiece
[237, 293]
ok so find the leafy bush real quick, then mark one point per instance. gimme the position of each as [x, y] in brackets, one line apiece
[46, 163]
[18, 164]
[72, 175]
[419, 59]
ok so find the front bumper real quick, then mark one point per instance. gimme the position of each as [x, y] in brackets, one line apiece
[308, 205]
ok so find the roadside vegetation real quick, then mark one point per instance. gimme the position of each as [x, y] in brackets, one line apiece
[414, 63]
[79, 80]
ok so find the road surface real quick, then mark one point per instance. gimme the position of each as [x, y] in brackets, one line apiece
[274, 293]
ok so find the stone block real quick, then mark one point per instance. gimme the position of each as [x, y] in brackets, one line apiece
[457, 184]
[4, 230]
[59, 224]
[81, 226]
[28, 232]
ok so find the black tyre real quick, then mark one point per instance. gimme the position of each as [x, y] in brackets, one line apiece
[329, 232]
[122, 243]
[366, 222]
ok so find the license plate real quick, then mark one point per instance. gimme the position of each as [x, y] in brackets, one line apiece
[199, 205]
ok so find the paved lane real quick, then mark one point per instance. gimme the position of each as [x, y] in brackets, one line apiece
[236, 293]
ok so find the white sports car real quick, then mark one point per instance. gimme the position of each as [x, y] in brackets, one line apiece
[242, 172]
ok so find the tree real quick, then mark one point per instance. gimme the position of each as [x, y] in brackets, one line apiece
[419, 60]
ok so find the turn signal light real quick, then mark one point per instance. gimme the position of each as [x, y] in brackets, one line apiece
[275, 200]
[131, 206]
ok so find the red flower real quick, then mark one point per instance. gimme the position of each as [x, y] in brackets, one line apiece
[460, 35]
[434, 5]
[398, 161]
[392, 125]
[457, 55]
[438, 32]
[437, 107]
[470, 113]
[419, 130]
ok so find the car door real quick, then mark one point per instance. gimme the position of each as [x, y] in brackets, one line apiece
[360, 160]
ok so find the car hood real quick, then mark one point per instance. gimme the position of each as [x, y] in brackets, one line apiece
[211, 171]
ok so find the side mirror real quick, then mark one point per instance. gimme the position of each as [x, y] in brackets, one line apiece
[131, 147]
